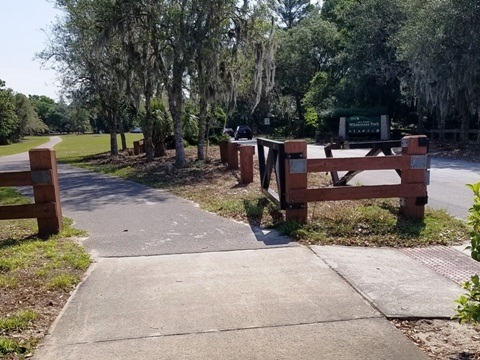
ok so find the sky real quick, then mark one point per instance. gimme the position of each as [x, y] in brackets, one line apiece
[21, 36]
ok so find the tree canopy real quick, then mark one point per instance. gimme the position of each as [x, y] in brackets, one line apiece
[415, 60]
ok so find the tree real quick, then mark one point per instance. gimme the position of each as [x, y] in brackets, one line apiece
[441, 44]
[28, 122]
[291, 12]
[89, 65]
[79, 119]
[304, 50]
[8, 118]
[43, 106]
[372, 72]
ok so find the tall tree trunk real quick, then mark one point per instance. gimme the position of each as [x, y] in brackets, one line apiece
[113, 134]
[148, 130]
[175, 101]
[465, 118]
[202, 126]
[159, 146]
[121, 127]
[441, 124]
[301, 117]
[158, 139]
[202, 120]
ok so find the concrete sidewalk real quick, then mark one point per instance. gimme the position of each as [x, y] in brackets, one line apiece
[171, 281]
[282, 303]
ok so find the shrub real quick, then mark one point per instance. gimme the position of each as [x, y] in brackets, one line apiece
[468, 309]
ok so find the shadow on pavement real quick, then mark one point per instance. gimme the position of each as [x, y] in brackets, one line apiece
[88, 191]
[254, 212]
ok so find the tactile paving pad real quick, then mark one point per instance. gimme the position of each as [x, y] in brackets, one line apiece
[446, 261]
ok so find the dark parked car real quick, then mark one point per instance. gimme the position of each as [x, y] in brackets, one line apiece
[243, 131]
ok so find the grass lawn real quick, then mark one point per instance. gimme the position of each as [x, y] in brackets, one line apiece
[26, 144]
[36, 278]
[75, 147]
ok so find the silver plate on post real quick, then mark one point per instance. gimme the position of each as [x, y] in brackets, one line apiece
[427, 177]
[298, 166]
[420, 162]
[42, 177]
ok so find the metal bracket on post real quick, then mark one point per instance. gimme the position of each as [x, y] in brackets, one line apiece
[424, 142]
[295, 206]
[294, 156]
[298, 166]
[420, 162]
[42, 177]
[423, 200]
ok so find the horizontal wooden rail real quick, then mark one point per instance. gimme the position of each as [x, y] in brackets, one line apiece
[357, 192]
[386, 144]
[359, 163]
[17, 178]
[28, 211]
[26, 178]
[453, 131]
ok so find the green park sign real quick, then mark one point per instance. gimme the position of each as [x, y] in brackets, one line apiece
[358, 125]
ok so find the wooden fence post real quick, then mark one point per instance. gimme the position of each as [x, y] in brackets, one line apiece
[295, 179]
[46, 191]
[414, 207]
[232, 156]
[246, 163]
[139, 147]
[136, 147]
[223, 150]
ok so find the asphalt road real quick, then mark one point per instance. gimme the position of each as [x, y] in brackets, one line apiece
[448, 179]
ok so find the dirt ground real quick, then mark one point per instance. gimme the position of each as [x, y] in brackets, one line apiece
[443, 339]
[446, 339]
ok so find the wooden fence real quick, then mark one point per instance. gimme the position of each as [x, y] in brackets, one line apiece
[291, 166]
[452, 134]
[44, 179]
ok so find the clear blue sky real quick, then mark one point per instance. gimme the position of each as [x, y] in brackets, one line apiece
[21, 36]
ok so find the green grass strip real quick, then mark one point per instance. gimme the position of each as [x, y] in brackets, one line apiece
[26, 144]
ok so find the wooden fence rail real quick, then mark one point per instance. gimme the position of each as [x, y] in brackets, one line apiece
[292, 178]
[44, 179]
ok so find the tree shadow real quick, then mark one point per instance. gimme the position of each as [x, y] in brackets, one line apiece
[254, 210]
[404, 226]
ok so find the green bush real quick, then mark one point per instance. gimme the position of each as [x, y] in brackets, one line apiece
[468, 309]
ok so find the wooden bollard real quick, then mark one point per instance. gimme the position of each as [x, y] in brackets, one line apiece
[295, 150]
[136, 147]
[414, 207]
[232, 156]
[139, 147]
[45, 160]
[223, 150]
[246, 163]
